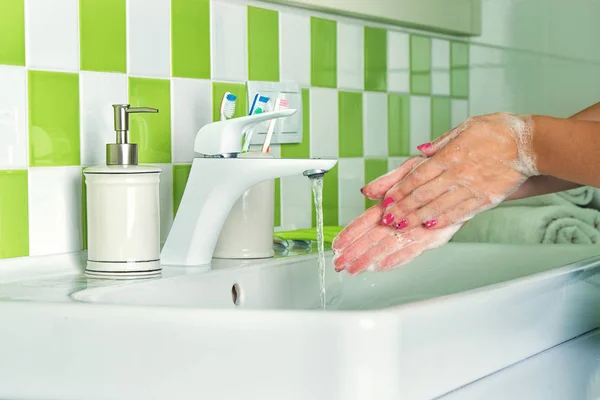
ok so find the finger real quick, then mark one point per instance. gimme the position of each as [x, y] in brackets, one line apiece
[376, 189]
[368, 259]
[420, 197]
[430, 215]
[430, 148]
[357, 228]
[424, 240]
[420, 176]
[360, 246]
[461, 213]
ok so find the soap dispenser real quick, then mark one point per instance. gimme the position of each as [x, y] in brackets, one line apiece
[123, 208]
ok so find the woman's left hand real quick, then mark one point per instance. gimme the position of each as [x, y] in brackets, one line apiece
[471, 169]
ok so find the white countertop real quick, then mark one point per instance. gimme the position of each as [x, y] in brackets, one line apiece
[570, 371]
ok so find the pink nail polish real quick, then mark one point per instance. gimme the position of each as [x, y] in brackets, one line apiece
[387, 219]
[402, 224]
[424, 146]
[430, 223]
[387, 202]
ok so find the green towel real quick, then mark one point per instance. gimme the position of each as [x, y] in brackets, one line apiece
[329, 233]
[533, 225]
[584, 197]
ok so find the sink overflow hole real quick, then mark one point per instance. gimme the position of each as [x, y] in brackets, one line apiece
[236, 293]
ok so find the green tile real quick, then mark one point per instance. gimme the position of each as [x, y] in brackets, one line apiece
[277, 203]
[459, 73]
[375, 59]
[330, 199]
[151, 132]
[190, 38]
[181, 173]
[350, 120]
[459, 54]
[12, 32]
[263, 44]
[300, 150]
[374, 168]
[459, 83]
[441, 115]
[239, 89]
[102, 35]
[53, 118]
[398, 125]
[323, 52]
[420, 64]
[14, 216]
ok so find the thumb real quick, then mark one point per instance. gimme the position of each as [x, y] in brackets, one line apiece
[377, 188]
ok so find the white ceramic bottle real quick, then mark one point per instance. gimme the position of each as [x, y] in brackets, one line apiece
[123, 208]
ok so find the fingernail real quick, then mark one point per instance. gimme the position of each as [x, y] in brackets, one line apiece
[402, 224]
[424, 146]
[387, 202]
[430, 223]
[387, 219]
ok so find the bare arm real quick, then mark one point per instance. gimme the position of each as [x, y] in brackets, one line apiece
[544, 184]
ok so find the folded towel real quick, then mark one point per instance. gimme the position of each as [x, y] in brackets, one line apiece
[329, 233]
[584, 196]
[533, 225]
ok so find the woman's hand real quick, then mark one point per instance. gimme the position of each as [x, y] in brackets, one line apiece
[471, 169]
[365, 244]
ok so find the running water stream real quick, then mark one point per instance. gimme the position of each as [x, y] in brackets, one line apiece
[316, 182]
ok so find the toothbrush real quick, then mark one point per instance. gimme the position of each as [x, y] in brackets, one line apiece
[259, 109]
[227, 108]
[253, 104]
[280, 104]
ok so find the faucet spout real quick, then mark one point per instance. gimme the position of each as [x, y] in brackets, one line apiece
[213, 187]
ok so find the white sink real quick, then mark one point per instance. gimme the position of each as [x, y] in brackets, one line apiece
[450, 317]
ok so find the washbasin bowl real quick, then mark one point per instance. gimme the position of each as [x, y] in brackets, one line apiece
[256, 330]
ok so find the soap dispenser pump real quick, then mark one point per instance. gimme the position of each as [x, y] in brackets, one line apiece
[123, 208]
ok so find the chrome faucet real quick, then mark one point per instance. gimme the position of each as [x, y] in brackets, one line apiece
[217, 179]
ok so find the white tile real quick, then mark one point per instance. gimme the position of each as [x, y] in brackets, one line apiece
[52, 34]
[398, 62]
[13, 117]
[420, 122]
[351, 179]
[149, 38]
[350, 56]
[375, 124]
[190, 111]
[440, 83]
[54, 210]
[440, 67]
[395, 162]
[296, 201]
[229, 42]
[294, 48]
[459, 111]
[166, 200]
[98, 92]
[440, 54]
[324, 123]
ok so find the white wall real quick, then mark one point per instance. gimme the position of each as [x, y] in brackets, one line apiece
[536, 56]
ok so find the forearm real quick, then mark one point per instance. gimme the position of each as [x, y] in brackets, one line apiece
[567, 149]
[540, 185]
